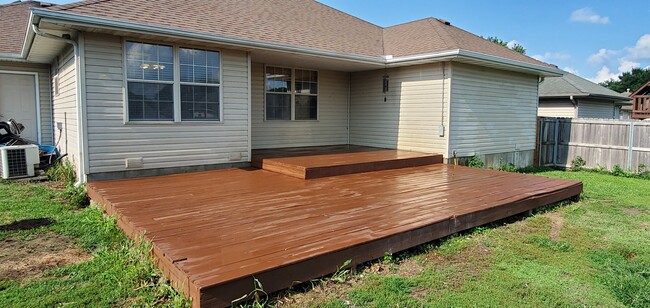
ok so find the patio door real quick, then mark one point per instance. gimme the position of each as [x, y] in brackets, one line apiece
[18, 100]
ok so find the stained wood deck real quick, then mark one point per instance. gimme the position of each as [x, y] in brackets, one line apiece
[214, 232]
[324, 161]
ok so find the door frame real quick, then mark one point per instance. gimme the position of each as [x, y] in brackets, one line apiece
[37, 95]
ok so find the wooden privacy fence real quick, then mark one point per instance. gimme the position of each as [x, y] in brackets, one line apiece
[601, 143]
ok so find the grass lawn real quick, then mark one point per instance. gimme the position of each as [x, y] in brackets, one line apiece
[595, 252]
[77, 257]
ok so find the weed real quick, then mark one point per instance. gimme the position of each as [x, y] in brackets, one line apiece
[76, 196]
[342, 273]
[578, 163]
[62, 171]
[475, 162]
[545, 242]
[508, 167]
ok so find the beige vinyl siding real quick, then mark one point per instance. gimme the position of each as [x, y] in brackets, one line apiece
[558, 108]
[64, 104]
[330, 129]
[596, 110]
[492, 111]
[160, 145]
[412, 113]
[44, 94]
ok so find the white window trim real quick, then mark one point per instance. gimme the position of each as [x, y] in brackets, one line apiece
[293, 94]
[176, 86]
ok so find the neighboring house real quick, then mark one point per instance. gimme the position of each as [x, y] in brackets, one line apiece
[24, 86]
[570, 96]
[641, 103]
[152, 87]
[626, 111]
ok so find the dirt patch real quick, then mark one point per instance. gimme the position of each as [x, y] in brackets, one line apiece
[632, 211]
[557, 221]
[27, 259]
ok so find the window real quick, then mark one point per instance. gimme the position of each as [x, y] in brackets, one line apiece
[156, 91]
[284, 104]
[199, 85]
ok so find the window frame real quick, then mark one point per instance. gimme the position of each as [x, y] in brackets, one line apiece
[292, 94]
[176, 85]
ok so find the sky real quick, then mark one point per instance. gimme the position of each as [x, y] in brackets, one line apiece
[596, 40]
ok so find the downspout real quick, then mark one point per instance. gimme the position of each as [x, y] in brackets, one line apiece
[80, 128]
[349, 102]
[575, 106]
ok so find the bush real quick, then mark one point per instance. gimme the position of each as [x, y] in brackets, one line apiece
[618, 171]
[578, 163]
[475, 162]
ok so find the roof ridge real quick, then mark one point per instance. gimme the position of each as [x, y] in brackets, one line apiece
[358, 18]
[77, 4]
[445, 37]
[18, 2]
[573, 84]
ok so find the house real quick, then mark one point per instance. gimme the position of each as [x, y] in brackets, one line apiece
[133, 88]
[571, 96]
[626, 111]
[641, 102]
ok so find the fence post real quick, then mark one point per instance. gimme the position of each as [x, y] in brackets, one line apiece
[630, 148]
[555, 141]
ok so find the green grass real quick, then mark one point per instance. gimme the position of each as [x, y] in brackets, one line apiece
[120, 272]
[600, 257]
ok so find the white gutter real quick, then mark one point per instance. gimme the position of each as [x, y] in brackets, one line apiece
[80, 127]
[115, 25]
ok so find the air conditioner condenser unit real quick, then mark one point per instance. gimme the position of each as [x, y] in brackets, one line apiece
[18, 161]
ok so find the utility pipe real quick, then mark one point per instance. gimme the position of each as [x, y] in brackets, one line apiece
[79, 109]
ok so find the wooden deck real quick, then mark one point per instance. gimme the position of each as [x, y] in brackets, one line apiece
[318, 162]
[215, 232]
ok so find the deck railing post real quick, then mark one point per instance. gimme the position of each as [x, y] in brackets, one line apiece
[630, 149]
[556, 141]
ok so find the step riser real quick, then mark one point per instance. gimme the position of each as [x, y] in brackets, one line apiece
[307, 173]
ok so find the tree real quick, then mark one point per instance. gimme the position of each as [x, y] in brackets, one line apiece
[632, 80]
[516, 46]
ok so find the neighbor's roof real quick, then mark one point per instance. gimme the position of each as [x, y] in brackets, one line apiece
[643, 90]
[572, 85]
[301, 23]
[13, 24]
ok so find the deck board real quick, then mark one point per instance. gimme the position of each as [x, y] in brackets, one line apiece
[214, 230]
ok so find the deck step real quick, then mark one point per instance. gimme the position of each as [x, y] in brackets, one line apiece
[319, 164]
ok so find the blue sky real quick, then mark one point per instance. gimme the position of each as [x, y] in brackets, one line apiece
[594, 39]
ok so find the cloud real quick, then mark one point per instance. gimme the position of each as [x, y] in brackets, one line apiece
[570, 70]
[627, 65]
[600, 57]
[641, 49]
[552, 56]
[603, 75]
[586, 14]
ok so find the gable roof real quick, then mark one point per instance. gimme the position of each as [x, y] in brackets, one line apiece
[643, 90]
[572, 85]
[435, 35]
[298, 23]
[13, 25]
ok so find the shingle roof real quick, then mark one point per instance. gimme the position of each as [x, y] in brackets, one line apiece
[303, 23]
[13, 24]
[572, 85]
[434, 35]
